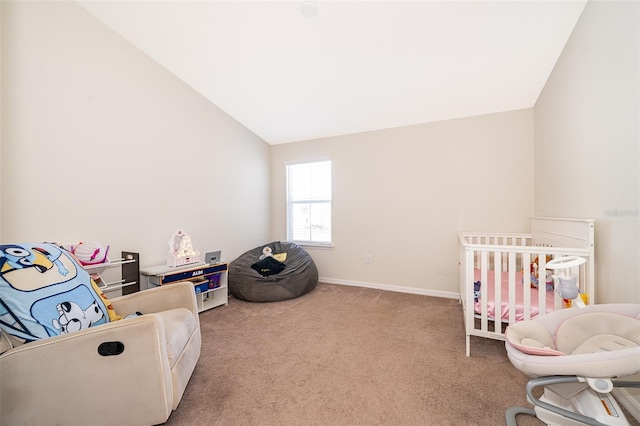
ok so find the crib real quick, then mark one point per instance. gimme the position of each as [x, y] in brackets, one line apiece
[504, 279]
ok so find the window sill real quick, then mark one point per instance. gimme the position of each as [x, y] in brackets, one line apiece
[314, 245]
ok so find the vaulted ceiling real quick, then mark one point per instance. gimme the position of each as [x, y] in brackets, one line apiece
[298, 70]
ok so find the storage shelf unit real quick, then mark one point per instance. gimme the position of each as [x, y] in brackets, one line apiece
[209, 281]
[130, 273]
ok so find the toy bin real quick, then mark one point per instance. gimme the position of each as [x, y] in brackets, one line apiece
[202, 287]
[214, 281]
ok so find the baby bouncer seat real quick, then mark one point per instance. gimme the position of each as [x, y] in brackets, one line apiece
[574, 354]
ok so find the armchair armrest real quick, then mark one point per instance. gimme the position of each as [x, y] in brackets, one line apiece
[67, 379]
[157, 299]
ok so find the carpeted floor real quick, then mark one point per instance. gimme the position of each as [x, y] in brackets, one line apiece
[345, 355]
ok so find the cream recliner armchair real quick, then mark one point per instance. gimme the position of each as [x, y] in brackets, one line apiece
[127, 372]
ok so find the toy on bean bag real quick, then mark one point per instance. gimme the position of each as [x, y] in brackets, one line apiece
[266, 252]
[268, 264]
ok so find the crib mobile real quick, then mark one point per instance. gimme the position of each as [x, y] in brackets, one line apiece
[566, 283]
[574, 354]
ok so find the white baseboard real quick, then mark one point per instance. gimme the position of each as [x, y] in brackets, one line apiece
[388, 287]
[629, 401]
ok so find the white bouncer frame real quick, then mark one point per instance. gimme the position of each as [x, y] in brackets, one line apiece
[510, 253]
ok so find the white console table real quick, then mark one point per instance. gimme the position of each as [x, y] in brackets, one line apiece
[209, 281]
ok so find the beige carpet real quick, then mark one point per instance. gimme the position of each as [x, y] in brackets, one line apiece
[347, 356]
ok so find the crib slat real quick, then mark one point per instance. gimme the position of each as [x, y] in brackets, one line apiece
[483, 297]
[497, 285]
[526, 285]
[542, 283]
[512, 287]
[504, 242]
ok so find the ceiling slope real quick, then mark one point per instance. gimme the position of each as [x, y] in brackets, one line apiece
[356, 66]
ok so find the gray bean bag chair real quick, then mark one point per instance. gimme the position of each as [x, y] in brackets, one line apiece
[298, 277]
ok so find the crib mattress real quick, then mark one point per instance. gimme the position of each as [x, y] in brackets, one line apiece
[487, 290]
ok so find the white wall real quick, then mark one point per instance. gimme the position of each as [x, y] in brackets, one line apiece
[587, 138]
[101, 143]
[403, 194]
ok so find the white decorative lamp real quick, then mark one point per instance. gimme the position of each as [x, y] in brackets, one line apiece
[181, 251]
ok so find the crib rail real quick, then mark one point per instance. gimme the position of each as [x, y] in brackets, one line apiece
[502, 264]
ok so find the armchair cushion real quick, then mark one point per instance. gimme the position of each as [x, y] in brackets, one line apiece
[179, 325]
[44, 292]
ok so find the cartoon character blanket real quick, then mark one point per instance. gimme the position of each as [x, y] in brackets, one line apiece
[44, 292]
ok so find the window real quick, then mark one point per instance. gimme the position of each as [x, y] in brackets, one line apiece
[309, 203]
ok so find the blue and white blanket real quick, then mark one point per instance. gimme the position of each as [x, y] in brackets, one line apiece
[44, 292]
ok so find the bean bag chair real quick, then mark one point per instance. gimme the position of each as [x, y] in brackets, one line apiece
[298, 277]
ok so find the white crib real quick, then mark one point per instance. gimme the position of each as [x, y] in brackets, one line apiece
[502, 264]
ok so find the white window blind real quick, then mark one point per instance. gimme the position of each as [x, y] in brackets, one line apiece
[309, 202]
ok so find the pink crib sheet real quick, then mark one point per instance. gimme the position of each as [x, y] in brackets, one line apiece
[488, 290]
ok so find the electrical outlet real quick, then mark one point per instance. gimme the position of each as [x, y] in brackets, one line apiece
[367, 258]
